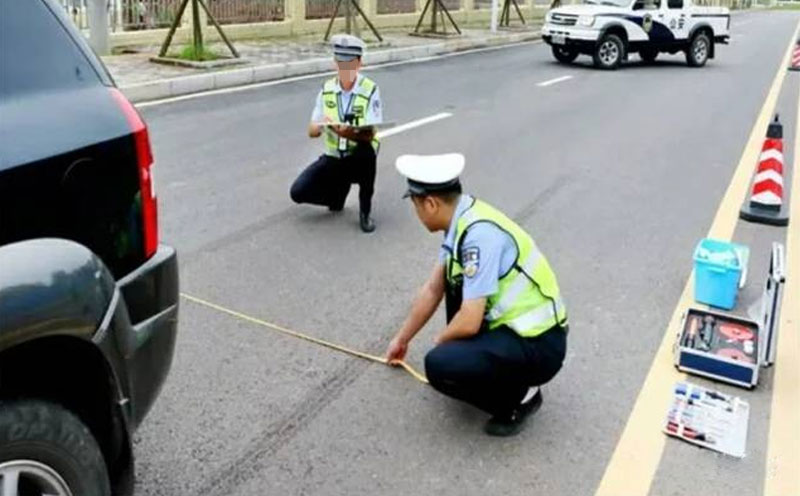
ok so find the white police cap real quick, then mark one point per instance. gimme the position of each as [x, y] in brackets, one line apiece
[430, 173]
[347, 47]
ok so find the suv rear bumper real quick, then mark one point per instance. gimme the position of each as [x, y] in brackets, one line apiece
[150, 294]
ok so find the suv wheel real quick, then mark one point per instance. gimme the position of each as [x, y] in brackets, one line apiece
[699, 49]
[609, 53]
[45, 449]
[564, 55]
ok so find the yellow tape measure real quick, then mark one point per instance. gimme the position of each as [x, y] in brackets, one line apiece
[263, 323]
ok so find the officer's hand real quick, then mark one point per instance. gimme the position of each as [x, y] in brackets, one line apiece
[396, 351]
[343, 130]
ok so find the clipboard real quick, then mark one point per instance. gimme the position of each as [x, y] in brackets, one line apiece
[377, 125]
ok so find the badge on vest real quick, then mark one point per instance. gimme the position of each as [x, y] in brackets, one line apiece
[330, 104]
[471, 258]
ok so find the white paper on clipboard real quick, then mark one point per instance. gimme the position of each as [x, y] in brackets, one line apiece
[708, 419]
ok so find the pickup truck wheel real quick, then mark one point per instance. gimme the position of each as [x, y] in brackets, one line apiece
[46, 450]
[698, 51]
[609, 53]
[564, 55]
[648, 55]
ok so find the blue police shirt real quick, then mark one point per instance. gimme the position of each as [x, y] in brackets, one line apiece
[485, 246]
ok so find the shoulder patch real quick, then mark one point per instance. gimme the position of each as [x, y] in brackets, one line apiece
[471, 260]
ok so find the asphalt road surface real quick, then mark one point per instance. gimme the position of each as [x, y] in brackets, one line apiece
[617, 175]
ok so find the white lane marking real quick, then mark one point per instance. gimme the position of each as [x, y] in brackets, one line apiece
[411, 125]
[553, 81]
[293, 79]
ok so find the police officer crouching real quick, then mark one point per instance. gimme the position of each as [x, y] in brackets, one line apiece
[350, 101]
[506, 328]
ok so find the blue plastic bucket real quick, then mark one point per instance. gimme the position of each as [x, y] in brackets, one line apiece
[718, 269]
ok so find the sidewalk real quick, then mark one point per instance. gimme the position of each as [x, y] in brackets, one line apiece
[142, 80]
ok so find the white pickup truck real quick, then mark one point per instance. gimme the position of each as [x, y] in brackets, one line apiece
[609, 30]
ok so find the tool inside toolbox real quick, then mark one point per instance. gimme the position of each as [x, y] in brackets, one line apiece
[719, 335]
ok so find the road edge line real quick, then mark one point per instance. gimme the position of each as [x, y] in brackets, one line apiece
[637, 455]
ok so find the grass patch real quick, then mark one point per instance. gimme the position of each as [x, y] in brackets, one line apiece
[786, 6]
[203, 55]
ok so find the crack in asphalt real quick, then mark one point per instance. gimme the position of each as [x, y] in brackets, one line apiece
[225, 480]
[546, 195]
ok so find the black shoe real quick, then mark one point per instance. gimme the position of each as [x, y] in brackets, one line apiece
[511, 424]
[367, 225]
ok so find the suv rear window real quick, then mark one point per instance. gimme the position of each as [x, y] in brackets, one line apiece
[36, 53]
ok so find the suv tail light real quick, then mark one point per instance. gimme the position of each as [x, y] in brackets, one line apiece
[144, 163]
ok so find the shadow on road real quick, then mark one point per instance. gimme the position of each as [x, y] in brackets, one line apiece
[631, 64]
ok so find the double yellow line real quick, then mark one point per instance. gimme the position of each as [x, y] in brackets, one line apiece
[637, 455]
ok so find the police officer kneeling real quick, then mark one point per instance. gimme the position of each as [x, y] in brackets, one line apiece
[352, 102]
[506, 328]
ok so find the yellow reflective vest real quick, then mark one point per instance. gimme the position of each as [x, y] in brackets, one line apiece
[528, 299]
[332, 108]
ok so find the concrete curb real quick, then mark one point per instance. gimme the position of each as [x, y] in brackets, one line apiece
[185, 85]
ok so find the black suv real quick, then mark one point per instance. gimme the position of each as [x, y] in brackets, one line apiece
[88, 296]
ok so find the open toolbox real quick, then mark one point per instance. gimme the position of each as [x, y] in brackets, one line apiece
[718, 346]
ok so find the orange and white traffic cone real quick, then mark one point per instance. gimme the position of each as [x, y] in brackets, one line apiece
[766, 202]
[795, 64]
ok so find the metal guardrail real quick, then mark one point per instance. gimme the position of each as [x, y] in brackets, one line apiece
[246, 11]
[321, 9]
[133, 15]
[397, 6]
[126, 15]
[77, 11]
[147, 14]
[136, 15]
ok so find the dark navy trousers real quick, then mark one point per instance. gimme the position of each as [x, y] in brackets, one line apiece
[494, 369]
[327, 180]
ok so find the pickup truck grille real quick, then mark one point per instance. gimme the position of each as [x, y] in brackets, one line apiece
[564, 19]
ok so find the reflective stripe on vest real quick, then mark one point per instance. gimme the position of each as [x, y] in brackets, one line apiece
[528, 299]
[361, 98]
[520, 284]
[542, 314]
